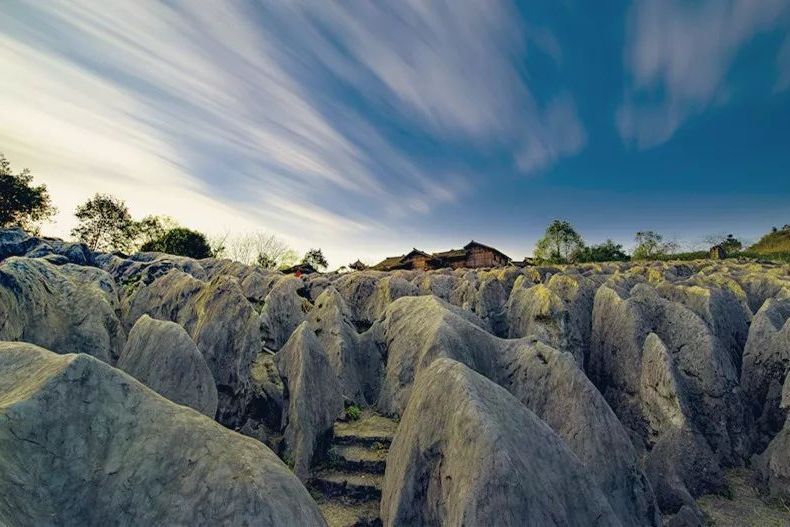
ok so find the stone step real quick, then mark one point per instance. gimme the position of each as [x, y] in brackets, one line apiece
[340, 514]
[350, 486]
[368, 430]
[359, 458]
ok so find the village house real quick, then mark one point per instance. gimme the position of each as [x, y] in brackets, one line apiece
[473, 255]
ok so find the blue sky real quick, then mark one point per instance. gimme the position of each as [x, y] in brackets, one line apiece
[367, 128]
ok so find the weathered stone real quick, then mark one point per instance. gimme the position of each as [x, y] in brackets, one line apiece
[59, 308]
[283, 310]
[468, 453]
[314, 399]
[85, 444]
[356, 365]
[766, 363]
[162, 356]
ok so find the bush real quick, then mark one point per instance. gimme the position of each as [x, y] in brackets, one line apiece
[353, 413]
[604, 252]
[180, 242]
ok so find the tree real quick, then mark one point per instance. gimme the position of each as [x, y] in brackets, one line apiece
[21, 203]
[729, 242]
[607, 251]
[560, 243]
[153, 228]
[105, 224]
[259, 248]
[315, 257]
[650, 245]
[181, 242]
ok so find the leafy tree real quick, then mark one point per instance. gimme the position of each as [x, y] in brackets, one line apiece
[315, 257]
[21, 203]
[650, 244]
[730, 243]
[560, 243]
[153, 228]
[105, 224]
[607, 251]
[181, 242]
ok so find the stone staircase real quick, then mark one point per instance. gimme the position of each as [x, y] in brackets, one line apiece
[348, 488]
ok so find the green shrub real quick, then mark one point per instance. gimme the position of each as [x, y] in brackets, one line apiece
[353, 413]
[180, 242]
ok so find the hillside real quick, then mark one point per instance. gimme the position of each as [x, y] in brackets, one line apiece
[773, 242]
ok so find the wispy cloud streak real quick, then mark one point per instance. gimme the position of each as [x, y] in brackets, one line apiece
[678, 55]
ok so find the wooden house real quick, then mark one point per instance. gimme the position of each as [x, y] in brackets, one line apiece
[473, 255]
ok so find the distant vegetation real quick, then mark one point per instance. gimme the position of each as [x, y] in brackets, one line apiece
[315, 257]
[22, 203]
[180, 241]
[562, 244]
[105, 224]
[775, 242]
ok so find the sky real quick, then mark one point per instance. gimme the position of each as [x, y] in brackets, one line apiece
[368, 128]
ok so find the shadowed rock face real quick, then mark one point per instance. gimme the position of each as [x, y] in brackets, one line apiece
[162, 356]
[766, 362]
[61, 308]
[468, 453]
[356, 365]
[85, 444]
[314, 398]
[774, 463]
[283, 310]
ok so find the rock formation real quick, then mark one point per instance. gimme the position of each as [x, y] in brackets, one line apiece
[85, 444]
[468, 453]
[162, 356]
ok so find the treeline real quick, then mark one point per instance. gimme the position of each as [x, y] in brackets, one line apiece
[562, 244]
[105, 224]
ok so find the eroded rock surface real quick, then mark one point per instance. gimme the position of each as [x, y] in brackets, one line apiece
[85, 444]
[162, 356]
[468, 453]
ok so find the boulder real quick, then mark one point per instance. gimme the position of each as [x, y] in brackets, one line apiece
[727, 315]
[314, 399]
[85, 444]
[468, 453]
[16, 242]
[162, 356]
[60, 308]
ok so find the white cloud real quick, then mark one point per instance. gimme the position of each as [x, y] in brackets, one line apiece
[219, 115]
[678, 55]
[558, 135]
